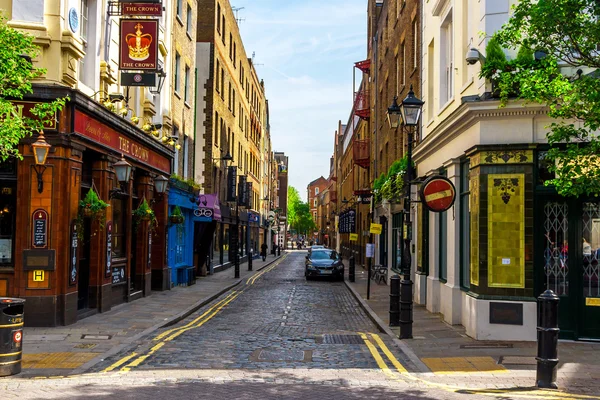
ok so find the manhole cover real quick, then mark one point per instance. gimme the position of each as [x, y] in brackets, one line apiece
[85, 346]
[487, 346]
[96, 337]
[515, 360]
[342, 339]
[267, 355]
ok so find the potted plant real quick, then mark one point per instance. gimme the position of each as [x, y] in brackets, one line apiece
[176, 217]
[144, 213]
[93, 207]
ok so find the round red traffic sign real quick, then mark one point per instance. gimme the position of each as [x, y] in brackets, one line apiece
[438, 193]
[17, 336]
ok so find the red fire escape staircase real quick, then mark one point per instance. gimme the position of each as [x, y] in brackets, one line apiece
[361, 153]
[364, 66]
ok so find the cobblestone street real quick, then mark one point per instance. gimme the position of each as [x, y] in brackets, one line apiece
[275, 336]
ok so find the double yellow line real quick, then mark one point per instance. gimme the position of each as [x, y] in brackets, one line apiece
[253, 278]
[135, 359]
[375, 345]
[171, 334]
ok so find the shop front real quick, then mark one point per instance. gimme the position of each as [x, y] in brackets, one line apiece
[180, 259]
[66, 262]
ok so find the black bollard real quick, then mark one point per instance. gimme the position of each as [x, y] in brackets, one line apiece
[547, 336]
[278, 251]
[395, 300]
[250, 261]
[351, 269]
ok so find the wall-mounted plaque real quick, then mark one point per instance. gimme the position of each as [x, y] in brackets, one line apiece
[73, 262]
[38, 259]
[506, 313]
[40, 229]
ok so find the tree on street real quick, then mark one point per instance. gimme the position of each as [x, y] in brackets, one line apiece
[564, 77]
[16, 75]
[299, 216]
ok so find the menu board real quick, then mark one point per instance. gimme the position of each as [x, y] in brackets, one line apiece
[40, 229]
[118, 275]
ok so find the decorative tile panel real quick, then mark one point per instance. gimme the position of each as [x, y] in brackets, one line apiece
[506, 157]
[474, 228]
[506, 230]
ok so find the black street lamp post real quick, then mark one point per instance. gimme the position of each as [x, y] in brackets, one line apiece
[409, 114]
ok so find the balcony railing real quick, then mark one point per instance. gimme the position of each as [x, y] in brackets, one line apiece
[362, 108]
[364, 65]
[361, 153]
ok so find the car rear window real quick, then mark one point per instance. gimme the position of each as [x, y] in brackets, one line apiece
[324, 255]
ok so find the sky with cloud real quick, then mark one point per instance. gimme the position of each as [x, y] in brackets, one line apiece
[305, 51]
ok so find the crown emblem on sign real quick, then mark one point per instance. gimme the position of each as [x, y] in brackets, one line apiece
[139, 44]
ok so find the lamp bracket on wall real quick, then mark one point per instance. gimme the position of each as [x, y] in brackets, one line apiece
[117, 191]
[39, 170]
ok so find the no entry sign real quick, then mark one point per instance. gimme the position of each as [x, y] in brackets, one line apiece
[438, 193]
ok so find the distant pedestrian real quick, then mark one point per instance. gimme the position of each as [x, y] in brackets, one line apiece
[263, 251]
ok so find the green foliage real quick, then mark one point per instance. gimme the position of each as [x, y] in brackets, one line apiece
[571, 29]
[190, 182]
[176, 216]
[299, 216]
[495, 59]
[91, 206]
[16, 76]
[144, 213]
[525, 55]
[391, 186]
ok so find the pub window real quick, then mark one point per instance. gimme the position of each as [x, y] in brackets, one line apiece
[465, 227]
[8, 204]
[119, 226]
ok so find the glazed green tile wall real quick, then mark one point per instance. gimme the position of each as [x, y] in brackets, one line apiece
[506, 230]
[474, 205]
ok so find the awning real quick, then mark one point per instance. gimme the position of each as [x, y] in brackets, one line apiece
[209, 208]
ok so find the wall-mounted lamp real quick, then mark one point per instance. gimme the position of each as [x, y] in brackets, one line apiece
[160, 184]
[161, 74]
[40, 148]
[123, 172]
[394, 116]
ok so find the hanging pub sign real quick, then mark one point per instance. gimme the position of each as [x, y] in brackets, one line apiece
[108, 248]
[73, 263]
[437, 193]
[138, 79]
[141, 8]
[231, 183]
[243, 191]
[249, 191]
[138, 44]
[40, 229]
[351, 221]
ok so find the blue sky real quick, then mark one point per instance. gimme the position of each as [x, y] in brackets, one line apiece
[307, 49]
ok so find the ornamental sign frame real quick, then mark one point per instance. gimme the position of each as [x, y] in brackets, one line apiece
[138, 44]
[437, 193]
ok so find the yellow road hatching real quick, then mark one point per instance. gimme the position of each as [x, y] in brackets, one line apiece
[375, 345]
[125, 364]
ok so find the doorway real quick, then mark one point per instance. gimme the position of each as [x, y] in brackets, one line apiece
[83, 283]
[570, 245]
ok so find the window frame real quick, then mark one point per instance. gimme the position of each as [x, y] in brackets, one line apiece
[465, 225]
[176, 85]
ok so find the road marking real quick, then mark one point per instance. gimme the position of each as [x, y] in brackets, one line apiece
[389, 354]
[253, 279]
[120, 362]
[141, 359]
[168, 332]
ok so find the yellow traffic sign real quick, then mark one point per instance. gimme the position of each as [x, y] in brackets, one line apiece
[353, 237]
[38, 276]
[376, 229]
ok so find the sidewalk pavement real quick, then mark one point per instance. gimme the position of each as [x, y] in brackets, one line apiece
[75, 348]
[446, 354]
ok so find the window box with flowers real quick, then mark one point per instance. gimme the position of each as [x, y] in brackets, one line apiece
[90, 207]
[144, 214]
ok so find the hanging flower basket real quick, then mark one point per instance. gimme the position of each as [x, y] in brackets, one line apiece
[91, 207]
[176, 217]
[144, 213]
